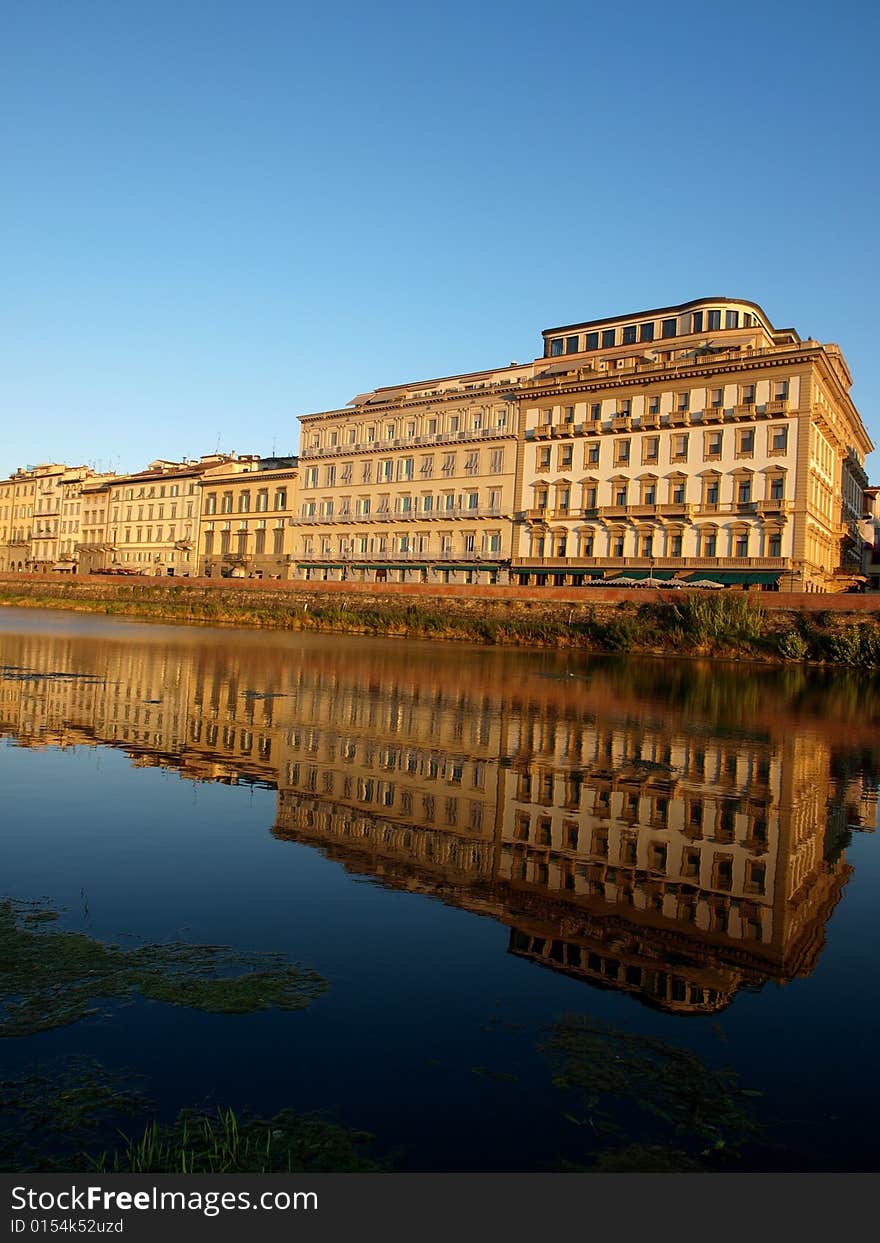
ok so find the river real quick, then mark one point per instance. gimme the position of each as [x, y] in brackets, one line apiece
[567, 911]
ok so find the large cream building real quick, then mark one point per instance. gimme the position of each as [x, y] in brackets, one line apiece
[696, 440]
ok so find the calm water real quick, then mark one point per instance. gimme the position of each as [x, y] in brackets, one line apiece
[469, 845]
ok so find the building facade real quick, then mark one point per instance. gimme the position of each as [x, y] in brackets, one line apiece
[695, 441]
[40, 517]
[247, 515]
[151, 518]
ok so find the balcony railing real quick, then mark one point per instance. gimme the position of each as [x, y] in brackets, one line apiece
[411, 515]
[382, 558]
[656, 563]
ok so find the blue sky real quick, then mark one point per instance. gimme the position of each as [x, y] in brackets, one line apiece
[216, 216]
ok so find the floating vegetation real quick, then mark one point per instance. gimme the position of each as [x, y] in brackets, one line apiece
[16, 673]
[71, 1118]
[686, 1115]
[221, 1142]
[70, 1107]
[50, 978]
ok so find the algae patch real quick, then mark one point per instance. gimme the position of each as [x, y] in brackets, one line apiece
[664, 1106]
[50, 978]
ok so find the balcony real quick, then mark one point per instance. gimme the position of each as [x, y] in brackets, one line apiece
[655, 563]
[746, 410]
[779, 406]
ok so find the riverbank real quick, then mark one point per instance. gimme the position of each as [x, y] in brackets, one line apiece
[839, 630]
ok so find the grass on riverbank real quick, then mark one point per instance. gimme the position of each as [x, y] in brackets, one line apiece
[724, 624]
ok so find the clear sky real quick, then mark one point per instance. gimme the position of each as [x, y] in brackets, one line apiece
[218, 215]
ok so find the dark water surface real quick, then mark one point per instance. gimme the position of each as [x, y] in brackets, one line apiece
[469, 845]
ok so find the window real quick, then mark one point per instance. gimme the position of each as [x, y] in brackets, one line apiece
[741, 544]
[448, 463]
[427, 467]
[780, 390]
[774, 545]
[649, 493]
[778, 439]
[281, 498]
[592, 340]
[697, 321]
[225, 504]
[714, 321]
[596, 411]
[777, 488]
[405, 468]
[646, 332]
[629, 334]
[329, 478]
[746, 442]
[680, 447]
[716, 398]
[669, 327]
[571, 345]
[713, 445]
[748, 395]
[744, 491]
[712, 490]
[650, 449]
[593, 455]
[211, 503]
[731, 319]
[569, 414]
[543, 460]
[621, 452]
[472, 463]
[620, 494]
[556, 347]
[244, 502]
[565, 456]
[682, 401]
[675, 544]
[624, 407]
[608, 337]
[653, 405]
[617, 544]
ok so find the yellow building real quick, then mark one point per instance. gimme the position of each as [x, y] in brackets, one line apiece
[695, 440]
[40, 517]
[151, 518]
[247, 514]
[413, 483]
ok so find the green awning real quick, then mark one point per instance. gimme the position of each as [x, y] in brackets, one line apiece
[737, 578]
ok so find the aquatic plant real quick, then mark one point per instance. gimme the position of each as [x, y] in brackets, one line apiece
[649, 1096]
[51, 978]
[220, 1141]
[49, 1117]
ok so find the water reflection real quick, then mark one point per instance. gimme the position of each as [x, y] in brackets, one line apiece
[666, 830]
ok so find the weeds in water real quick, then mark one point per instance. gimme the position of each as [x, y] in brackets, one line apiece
[658, 1102]
[51, 978]
[222, 1142]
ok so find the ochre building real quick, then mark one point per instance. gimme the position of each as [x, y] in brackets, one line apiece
[696, 441]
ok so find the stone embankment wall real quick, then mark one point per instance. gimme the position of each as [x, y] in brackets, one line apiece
[256, 593]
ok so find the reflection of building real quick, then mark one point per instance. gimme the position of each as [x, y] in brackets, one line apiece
[622, 841]
[696, 440]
